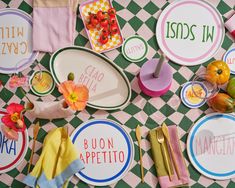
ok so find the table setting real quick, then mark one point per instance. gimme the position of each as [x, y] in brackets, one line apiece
[112, 93]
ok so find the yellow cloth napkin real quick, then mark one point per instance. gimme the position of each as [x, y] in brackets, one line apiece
[58, 161]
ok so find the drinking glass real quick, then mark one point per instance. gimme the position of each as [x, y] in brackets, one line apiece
[211, 89]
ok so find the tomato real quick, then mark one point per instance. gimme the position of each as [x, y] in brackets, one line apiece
[114, 29]
[91, 15]
[104, 23]
[103, 39]
[100, 15]
[231, 87]
[222, 103]
[112, 20]
[94, 20]
[89, 26]
[105, 31]
[112, 12]
[218, 72]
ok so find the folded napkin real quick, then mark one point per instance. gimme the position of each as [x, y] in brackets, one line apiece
[58, 161]
[158, 159]
[53, 24]
[49, 110]
[230, 25]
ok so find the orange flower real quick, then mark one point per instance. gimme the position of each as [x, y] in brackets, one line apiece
[76, 96]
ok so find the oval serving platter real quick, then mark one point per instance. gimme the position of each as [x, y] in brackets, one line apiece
[109, 88]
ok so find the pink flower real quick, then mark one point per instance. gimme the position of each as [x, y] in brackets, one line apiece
[16, 81]
[13, 118]
[9, 133]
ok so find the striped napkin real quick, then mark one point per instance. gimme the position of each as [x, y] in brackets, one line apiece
[158, 159]
[230, 25]
[53, 24]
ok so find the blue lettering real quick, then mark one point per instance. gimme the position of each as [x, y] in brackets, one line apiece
[7, 146]
[13, 147]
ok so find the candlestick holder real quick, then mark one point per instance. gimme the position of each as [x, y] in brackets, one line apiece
[155, 77]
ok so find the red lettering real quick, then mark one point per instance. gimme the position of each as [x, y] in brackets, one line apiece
[87, 156]
[92, 156]
[81, 157]
[102, 143]
[115, 158]
[121, 156]
[98, 157]
[104, 152]
[93, 143]
[110, 159]
[110, 143]
[85, 144]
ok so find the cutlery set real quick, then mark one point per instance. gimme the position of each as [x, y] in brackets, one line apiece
[164, 140]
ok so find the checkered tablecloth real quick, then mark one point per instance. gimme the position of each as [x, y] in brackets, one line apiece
[135, 17]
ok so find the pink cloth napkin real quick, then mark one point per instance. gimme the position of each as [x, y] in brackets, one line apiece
[230, 25]
[53, 24]
[160, 167]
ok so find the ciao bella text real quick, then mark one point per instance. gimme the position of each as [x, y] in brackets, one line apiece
[7, 146]
[100, 151]
[12, 40]
[185, 31]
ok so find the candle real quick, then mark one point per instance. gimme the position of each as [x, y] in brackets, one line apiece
[159, 67]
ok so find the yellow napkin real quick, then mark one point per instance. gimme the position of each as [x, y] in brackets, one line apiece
[58, 161]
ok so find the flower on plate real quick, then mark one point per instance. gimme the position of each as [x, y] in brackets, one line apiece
[76, 96]
[13, 118]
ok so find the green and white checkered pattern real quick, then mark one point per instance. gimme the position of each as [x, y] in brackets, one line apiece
[135, 17]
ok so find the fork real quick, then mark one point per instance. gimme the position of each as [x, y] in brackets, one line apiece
[160, 139]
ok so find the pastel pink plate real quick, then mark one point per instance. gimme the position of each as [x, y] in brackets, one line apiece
[152, 86]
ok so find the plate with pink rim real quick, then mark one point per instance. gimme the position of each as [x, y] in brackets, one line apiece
[12, 152]
[16, 50]
[190, 32]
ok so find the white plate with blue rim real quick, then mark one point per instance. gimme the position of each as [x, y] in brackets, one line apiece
[106, 149]
[189, 98]
[229, 58]
[211, 146]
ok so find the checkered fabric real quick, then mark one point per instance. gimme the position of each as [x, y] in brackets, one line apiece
[135, 17]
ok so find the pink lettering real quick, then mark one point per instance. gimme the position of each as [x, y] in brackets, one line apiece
[85, 144]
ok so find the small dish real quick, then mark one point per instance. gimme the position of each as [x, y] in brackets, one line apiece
[93, 6]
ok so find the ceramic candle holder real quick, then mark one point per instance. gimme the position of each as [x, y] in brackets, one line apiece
[151, 85]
